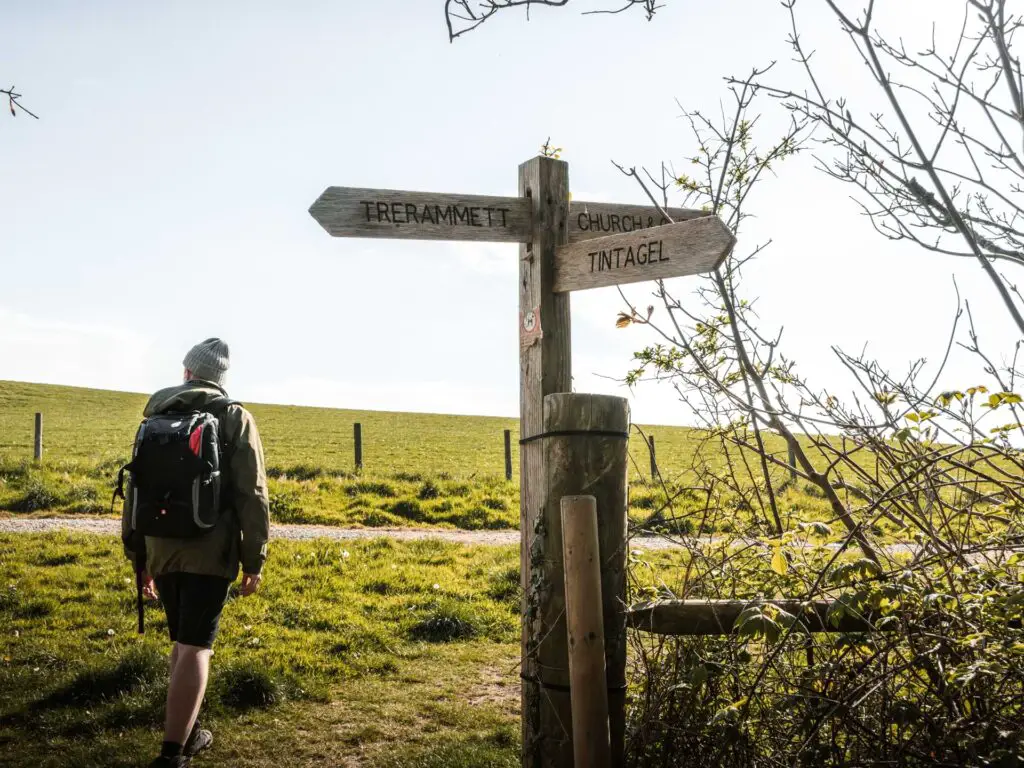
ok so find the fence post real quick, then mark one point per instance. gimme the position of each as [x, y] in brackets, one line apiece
[508, 454]
[589, 694]
[37, 446]
[585, 444]
[654, 460]
[357, 433]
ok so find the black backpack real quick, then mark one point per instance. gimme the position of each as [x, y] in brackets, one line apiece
[176, 482]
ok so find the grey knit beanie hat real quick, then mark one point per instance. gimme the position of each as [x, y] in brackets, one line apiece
[208, 360]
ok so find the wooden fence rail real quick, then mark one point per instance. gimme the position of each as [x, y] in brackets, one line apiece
[719, 617]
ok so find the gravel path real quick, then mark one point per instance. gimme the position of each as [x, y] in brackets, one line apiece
[302, 532]
[112, 527]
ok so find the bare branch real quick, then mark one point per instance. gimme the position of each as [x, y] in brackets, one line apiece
[463, 16]
[965, 181]
[14, 104]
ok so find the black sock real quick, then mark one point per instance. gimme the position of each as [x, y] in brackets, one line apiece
[170, 749]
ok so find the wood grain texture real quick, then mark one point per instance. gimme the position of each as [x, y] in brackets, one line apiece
[508, 454]
[545, 366]
[672, 250]
[402, 214]
[594, 465]
[718, 617]
[357, 212]
[589, 220]
[585, 622]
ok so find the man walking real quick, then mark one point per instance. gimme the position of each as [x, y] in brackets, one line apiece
[192, 572]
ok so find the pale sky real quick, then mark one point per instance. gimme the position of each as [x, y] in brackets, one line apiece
[163, 197]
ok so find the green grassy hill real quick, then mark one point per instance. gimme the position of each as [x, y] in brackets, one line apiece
[97, 426]
[419, 469]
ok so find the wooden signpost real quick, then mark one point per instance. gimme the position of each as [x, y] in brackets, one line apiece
[356, 212]
[565, 245]
[686, 248]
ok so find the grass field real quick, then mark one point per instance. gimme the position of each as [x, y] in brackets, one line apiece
[376, 653]
[419, 470]
[371, 653]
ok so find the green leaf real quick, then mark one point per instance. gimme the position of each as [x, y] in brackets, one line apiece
[729, 714]
[1004, 429]
[887, 621]
[946, 398]
[698, 676]
[816, 529]
[754, 622]
[999, 398]
[937, 600]
[779, 562]
[835, 613]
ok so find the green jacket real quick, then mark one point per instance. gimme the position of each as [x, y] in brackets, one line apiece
[242, 533]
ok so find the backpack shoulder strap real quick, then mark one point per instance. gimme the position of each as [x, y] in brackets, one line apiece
[218, 405]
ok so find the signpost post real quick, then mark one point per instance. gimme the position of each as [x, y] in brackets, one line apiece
[563, 246]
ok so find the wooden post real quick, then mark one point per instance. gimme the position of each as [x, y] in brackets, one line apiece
[654, 460]
[37, 449]
[357, 434]
[508, 454]
[589, 693]
[544, 367]
[539, 220]
[587, 452]
[792, 461]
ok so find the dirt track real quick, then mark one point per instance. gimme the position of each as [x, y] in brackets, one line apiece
[111, 527]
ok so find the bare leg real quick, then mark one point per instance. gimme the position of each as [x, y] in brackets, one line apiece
[174, 660]
[191, 668]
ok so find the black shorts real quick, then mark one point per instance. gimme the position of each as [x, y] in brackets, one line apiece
[193, 604]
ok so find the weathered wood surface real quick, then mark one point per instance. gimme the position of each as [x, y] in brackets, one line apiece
[544, 367]
[356, 212]
[392, 213]
[594, 465]
[718, 617]
[672, 250]
[37, 443]
[357, 440]
[590, 220]
[508, 454]
[583, 610]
